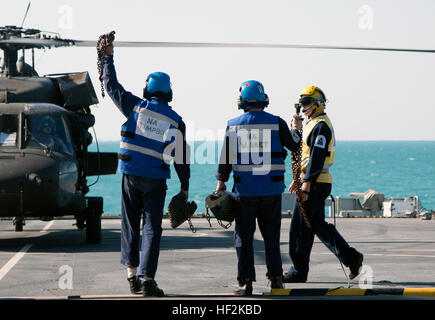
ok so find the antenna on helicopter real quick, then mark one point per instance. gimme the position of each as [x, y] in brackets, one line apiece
[25, 15]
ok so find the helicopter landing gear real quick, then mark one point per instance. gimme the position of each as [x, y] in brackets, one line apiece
[19, 223]
[94, 210]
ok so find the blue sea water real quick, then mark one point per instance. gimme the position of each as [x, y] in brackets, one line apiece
[397, 169]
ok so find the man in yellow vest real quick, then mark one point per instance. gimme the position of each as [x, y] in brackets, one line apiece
[318, 154]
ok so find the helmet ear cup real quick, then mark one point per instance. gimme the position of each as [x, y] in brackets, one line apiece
[266, 100]
[240, 102]
[318, 106]
[169, 96]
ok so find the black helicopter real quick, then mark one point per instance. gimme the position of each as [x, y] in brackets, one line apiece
[44, 138]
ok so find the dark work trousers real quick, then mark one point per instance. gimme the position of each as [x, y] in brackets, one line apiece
[142, 198]
[302, 237]
[267, 211]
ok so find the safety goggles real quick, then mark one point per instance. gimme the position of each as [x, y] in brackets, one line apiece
[305, 101]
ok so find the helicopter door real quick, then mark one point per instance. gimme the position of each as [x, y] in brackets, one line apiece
[8, 130]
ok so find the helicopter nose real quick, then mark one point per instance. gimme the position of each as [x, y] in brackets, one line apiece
[29, 183]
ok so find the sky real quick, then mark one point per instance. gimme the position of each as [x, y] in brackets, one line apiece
[372, 95]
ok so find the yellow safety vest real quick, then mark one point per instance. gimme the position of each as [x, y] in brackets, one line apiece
[325, 176]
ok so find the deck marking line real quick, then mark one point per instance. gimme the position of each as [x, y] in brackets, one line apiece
[412, 292]
[47, 226]
[14, 260]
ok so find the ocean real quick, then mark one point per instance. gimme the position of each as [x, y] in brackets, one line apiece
[397, 169]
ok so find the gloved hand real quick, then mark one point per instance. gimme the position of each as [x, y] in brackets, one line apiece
[297, 122]
[305, 190]
[292, 187]
[109, 48]
[109, 37]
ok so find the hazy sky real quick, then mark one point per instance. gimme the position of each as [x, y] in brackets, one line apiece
[372, 95]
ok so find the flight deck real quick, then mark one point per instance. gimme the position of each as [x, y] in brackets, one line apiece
[51, 260]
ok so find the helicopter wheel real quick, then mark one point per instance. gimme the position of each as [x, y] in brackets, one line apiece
[93, 220]
[18, 223]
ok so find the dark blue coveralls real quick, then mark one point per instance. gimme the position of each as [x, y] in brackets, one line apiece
[142, 197]
[301, 237]
[265, 209]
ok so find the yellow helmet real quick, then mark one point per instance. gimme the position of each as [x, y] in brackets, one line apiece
[314, 95]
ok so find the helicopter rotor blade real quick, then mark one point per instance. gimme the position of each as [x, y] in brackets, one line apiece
[27, 43]
[25, 15]
[150, 44]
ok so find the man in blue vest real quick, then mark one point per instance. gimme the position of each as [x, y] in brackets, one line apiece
[254, 150]
[149, 136]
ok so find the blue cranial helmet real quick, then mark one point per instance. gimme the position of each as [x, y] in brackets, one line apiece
[158, 85]
[252, 95]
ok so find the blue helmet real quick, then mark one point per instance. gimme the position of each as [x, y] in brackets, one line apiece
[252, 95]
[158, 85]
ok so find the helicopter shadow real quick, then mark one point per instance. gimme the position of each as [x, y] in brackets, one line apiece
[74, 241]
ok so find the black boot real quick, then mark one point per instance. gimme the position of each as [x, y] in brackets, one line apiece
[355, 268]
[276, 282]
[150, 289]
[135, 285]
[292, 276]
[245, 288]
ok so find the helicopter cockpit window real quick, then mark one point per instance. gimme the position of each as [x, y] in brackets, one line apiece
[49, 131]
[8, 130]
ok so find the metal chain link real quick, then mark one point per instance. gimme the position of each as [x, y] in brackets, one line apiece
[107, 40]
[208, 217]
[100, 61]
[207, 214]
[296, 167]
[192, 228]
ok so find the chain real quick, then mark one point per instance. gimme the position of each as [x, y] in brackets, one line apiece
[192, 228]
[207, 215]
[107, 40]
[296, 167]
[225, 226]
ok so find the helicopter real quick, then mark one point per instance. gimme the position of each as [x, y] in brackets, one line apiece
[44, 138]
[46, 176]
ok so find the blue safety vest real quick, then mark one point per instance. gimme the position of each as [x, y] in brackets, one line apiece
[256, 154]
[146, 138]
